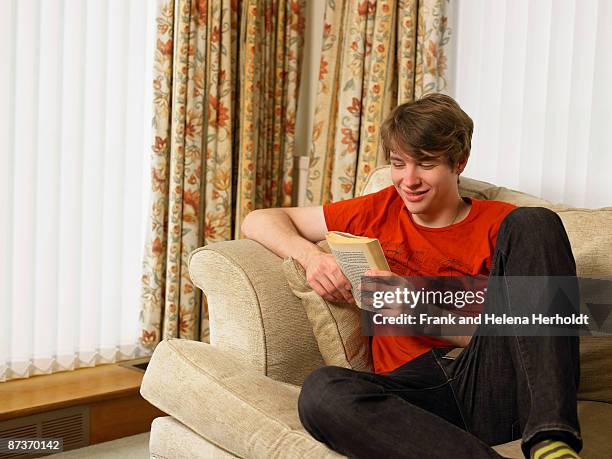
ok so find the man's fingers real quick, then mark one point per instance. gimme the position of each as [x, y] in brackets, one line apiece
[348, 296]
[330, 292]
[340, 280]
[321, 291]
[328, 281]
[332, 289]
[319, 286]
[368, 285]
[342, 285]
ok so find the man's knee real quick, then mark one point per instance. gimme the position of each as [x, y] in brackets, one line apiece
[316, 387]
[533, 225]
[316, 396]
[531, 217]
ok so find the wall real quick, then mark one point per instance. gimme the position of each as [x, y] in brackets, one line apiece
[534, 76]
[315, 11]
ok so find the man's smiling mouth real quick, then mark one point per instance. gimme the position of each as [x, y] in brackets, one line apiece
[416, 193]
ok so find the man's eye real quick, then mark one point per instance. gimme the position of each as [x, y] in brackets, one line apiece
[397, 164]
[427, 165]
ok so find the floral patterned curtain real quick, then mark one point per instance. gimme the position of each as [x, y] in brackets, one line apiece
[225, 89]
[375, 55]
[269, 92]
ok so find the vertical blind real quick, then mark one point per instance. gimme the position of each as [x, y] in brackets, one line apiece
[535, 77]
[75, 111]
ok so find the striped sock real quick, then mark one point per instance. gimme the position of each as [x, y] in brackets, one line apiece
[553, 449]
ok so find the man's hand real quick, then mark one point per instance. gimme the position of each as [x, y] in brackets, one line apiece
[371, 283]
[386, 285]
[325, 277]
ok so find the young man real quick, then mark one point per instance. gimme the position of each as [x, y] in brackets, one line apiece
[417, 403]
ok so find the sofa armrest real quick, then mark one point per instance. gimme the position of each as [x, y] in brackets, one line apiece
[253, 313]
[226, 402]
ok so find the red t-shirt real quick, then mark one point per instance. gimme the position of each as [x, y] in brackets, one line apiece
[463, 249]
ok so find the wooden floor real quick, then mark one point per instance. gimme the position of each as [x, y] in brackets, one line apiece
[111, 391]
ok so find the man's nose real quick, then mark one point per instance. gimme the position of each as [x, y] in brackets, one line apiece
[410, 177]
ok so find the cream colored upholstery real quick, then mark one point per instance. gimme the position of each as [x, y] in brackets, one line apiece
[172, 439]
[238, 395]
[236, 407]
[336, 326]
[253, 313]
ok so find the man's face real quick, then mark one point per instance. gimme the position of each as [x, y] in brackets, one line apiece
[426, 187]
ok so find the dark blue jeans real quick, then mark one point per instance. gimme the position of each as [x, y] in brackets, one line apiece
[500, 388]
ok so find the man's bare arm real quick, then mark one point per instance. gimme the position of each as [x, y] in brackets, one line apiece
[288, 232]
[291, 231]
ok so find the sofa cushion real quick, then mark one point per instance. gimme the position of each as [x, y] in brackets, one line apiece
[171, 439]
[594, 420]
[231, 405]
[378, 179]
[590, 235]
[517, 198]
[336, 326]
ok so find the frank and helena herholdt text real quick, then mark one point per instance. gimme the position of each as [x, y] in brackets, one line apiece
[486, 319]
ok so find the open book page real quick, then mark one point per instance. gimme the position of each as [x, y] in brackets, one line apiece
[355, 255]
[353, 264]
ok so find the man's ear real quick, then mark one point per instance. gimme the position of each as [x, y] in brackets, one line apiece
[460, 166]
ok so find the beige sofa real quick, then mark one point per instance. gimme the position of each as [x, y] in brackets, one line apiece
[237, 397]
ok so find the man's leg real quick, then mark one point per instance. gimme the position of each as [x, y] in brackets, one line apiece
[409, 413]
[533, 379]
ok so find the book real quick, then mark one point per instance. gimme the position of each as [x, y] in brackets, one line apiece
[355, 255]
